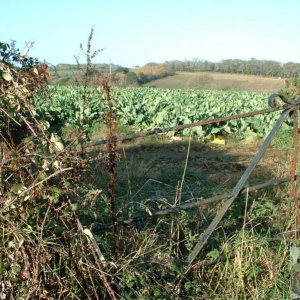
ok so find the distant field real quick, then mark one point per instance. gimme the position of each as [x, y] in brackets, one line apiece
[219, 81]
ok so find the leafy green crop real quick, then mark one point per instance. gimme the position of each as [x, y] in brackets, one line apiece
[147, 108]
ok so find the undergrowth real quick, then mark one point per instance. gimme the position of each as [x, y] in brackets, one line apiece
[45, 253]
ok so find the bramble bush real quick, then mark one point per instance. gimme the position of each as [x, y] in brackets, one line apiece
[44, 251]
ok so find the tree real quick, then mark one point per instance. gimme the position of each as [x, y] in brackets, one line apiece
[122, 70]
[131, 79]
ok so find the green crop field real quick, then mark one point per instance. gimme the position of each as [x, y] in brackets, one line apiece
[147, 108]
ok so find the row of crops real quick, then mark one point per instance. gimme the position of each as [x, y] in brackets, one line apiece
[146, 108]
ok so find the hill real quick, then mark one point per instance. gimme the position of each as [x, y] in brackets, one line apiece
[65, 74]
[218, 81]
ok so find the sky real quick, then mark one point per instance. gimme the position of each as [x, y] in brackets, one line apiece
[135, 32]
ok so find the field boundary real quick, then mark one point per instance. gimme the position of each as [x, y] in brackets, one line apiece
[276, 102]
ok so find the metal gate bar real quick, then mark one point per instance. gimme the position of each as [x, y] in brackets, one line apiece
[239, 186]
[97, 227]
[191, 125]
[289, 107]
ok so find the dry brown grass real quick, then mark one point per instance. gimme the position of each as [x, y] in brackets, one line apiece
[219, 81]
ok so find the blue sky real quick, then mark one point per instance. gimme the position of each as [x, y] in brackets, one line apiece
[134, 32]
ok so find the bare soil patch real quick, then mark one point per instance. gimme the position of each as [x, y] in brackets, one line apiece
[219, 81]
[158, 164]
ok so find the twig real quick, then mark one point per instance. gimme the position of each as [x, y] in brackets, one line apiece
[97, 253]
[237, 189]
[27, 123]
[37, 263]
[293, 171]
[96, 227]
[42, 181]
[10, 117]
[185, 167]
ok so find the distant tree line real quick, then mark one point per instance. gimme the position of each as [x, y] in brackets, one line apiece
[122, 76]
[101, 67]
[251, 67]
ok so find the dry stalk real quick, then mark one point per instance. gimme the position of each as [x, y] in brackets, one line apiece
[99, 259]
[293, 171]
[110, 122]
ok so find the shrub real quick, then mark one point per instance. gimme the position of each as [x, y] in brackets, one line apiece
[43, 245]
[152, 72]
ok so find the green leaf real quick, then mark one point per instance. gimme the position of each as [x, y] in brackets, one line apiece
[227, 129]
[17, 188]
[6, 76]
[214, 254]
[74, 206]
[215, 130]
[11, 244]
[2, 266]
[160, 117]
[157, 292]
[130, 284]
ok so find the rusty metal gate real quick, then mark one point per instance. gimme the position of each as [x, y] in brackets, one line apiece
[277, 102]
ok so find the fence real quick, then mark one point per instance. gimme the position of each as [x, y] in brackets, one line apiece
[277, 103]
